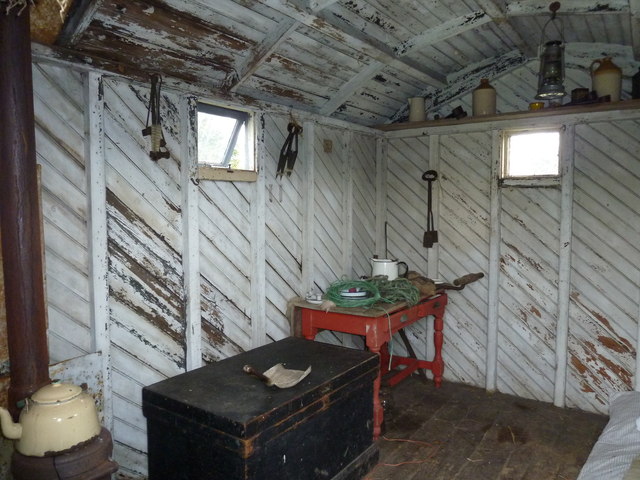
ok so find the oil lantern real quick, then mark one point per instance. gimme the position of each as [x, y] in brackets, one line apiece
[551, 75]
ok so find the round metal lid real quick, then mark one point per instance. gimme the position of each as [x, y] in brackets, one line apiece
[56, 393]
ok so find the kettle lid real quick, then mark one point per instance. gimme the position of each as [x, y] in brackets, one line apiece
[56, 393]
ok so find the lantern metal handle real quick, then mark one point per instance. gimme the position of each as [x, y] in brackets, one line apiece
[554, 7]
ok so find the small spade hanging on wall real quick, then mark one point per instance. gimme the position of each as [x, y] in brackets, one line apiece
[158, 143]
[431, 235]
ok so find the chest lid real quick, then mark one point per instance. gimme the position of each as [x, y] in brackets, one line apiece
[223, 397]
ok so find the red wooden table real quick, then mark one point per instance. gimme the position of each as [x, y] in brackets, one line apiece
[378, 325]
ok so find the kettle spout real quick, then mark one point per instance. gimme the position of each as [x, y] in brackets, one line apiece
[10, 429]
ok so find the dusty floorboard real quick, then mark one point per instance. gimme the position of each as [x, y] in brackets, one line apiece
[459, 432]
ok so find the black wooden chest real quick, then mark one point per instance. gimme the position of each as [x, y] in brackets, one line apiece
[218, 423]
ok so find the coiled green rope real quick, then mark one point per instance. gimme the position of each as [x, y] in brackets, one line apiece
[334, 291]
[378, 289]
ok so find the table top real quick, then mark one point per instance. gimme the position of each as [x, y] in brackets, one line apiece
[374, 311]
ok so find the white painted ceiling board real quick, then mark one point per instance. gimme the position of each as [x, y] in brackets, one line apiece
[314, 56]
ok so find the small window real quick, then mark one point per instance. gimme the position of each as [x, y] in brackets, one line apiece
[225, 151]
[531, 154]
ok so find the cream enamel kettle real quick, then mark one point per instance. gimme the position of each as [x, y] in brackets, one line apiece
[387, 267]
[55, 418]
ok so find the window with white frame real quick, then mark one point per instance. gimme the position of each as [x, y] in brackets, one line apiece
[530, 155]
[225, 145]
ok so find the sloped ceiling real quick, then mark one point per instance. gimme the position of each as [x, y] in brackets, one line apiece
[357, 60]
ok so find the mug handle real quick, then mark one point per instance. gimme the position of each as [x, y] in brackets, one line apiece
[406, 269]
[598, 61]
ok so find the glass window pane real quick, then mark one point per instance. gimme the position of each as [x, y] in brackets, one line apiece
[532, 154]
[240, 157]
[214, 133]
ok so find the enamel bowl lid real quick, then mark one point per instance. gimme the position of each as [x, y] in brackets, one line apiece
[56, 393]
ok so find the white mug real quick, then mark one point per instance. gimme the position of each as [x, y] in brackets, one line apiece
[385, 266]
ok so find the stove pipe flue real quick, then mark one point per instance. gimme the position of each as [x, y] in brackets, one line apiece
[20, 213]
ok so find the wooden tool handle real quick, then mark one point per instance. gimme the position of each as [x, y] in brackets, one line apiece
[252, 371]
[467, 279]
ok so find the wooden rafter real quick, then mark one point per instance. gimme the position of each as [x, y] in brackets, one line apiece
[441, 32]
[498, 15]
[383, 46]
[537, 7]
[469, 77]
[79, 18]
[351, 86]
[261, 52]
[317, 5]
[355, 40]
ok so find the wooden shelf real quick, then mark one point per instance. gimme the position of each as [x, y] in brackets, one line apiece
[545, 112]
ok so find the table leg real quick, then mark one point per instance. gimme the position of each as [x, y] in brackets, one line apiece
[438, 363]
[307, 329]
[378, 413]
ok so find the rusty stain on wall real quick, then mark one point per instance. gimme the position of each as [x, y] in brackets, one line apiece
[578, 365]
[582, 369]
[596, 369]
[575, 296]
[613, 344]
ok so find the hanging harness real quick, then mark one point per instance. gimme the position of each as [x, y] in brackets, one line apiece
[289, 151]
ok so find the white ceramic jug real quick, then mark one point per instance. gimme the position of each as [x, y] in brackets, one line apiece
[607, 78]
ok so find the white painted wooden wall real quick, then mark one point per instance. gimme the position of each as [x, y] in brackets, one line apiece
[126, 268]
[556, 316]
[257, 245]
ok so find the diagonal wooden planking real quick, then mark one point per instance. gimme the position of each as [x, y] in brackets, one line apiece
[355, 40]
[498, 15]
[261, 52]
[445, 30]
[448, 29]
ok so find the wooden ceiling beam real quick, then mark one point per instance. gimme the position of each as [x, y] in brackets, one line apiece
[469, 78]
[634, 10]
[317, 5]
[350, 87]
[261, 52]
[354, 40]
[537, 7]
[499, 17]
[441, 32]
[78, 20]
[384, 47]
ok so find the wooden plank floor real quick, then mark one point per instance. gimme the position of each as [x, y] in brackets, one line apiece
[459, 432]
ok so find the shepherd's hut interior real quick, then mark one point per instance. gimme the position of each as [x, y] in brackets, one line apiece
[319, 239]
